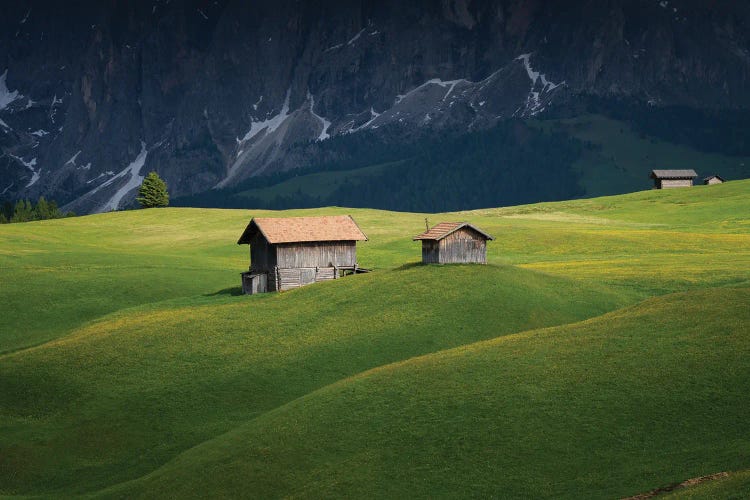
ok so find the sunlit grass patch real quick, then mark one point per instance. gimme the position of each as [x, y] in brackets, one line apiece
[126, 345]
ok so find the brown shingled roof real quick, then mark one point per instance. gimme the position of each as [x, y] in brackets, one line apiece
[673, 174]
[303, 229]
[440, 231]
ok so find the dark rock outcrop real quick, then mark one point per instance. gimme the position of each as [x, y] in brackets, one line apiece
[93, 95]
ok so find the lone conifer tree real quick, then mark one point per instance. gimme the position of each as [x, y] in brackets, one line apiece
[153, 192]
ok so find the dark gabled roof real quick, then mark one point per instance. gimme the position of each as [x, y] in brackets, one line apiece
[440, 231]
[722, 179]
[673, 174]
[303, 229]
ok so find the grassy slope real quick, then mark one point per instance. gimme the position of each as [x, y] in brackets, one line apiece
[734, 487]
[59, 274]
[651, 241]
[119, 396]
[626, 157]
[604, 408]
[64, 273]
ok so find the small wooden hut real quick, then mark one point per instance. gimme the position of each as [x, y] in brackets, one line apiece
[713, 179]
[664, 179]
[454, 243]
[291, 252]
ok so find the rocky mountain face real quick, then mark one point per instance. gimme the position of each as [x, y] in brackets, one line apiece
[94, 95]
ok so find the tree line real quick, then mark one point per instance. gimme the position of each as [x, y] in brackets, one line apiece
[508, 164]
[723, 131]
[26, 211]
[152, 193]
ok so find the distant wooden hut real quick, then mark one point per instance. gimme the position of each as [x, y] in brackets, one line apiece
[291, 252]
[664, 179]
[454, 243]
[713, 179]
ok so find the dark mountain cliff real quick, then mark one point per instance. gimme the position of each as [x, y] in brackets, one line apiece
[93, 95]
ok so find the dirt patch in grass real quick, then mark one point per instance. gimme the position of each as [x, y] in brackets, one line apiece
[676, 486]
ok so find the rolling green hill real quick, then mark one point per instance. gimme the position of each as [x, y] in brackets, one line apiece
[609, 406]
[601, 353]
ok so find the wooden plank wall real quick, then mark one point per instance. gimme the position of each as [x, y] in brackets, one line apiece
[463, 246]
[297, 277]
[262, 255]
[291, 265]
[273, 281]
[316, 254]
[674, 183]
[254, 283]
[430, 252]
[325, 274]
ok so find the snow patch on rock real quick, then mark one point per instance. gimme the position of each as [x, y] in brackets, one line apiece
[73, 159]
[351, 41]
[53, 109]
[6, 96]
[324, 133]
[356, 37]
[270, 124]
[134, 180]
[540, 86]
[30, 165]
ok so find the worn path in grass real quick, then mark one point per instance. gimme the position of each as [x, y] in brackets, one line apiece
[735, 486]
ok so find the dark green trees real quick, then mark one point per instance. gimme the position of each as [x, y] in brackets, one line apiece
[25, 211]
[153, 192]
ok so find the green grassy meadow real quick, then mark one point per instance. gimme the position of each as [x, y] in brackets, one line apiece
[603, 352]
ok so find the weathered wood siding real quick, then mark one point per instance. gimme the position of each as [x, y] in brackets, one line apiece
[254, 283]
[289, 278]
[714, 180]
[675, 183]
[463, 246]
[316, 254]
[291, 265]
[430, 252]
[262, 255]
[325, 274]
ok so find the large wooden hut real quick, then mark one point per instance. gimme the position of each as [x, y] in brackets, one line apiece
[454, 243]
[664, 179]
[291, 252]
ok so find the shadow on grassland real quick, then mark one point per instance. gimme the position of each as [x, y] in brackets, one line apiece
[232, 291]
